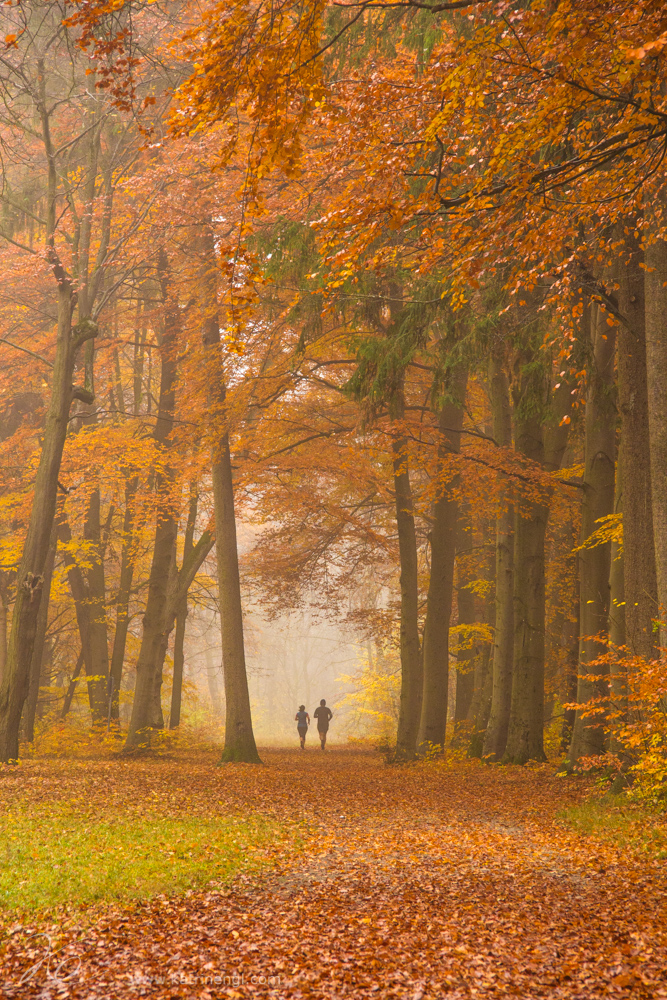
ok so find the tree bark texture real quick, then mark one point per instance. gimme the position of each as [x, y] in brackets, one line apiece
[598, 501]
[433, 723]
[641, 587]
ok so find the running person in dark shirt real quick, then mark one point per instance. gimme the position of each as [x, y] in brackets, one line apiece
[323, 715]
[302, 723]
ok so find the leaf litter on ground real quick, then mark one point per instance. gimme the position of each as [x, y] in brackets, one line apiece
[427, 881]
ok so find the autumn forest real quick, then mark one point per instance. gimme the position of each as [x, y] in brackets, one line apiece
[352, 313]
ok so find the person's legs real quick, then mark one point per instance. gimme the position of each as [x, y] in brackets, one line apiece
[302, 736]
[323, 738]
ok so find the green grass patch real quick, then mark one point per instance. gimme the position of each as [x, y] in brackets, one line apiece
[626, 823]
[58, 857]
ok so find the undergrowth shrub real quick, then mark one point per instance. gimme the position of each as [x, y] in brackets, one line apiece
[636, 724]
[74, 739]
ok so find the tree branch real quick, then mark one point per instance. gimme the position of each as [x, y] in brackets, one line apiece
[17, 347]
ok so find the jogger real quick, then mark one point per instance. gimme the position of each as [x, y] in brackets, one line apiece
[302, 723]
[323, 716]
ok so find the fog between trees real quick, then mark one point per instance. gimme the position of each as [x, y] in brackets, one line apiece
[345, 337]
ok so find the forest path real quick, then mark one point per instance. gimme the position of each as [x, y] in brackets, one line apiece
[416, 882]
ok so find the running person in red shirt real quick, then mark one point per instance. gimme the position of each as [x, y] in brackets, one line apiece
[323, 715]
[302, 722]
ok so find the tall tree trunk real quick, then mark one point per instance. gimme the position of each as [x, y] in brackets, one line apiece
[179, 663]
[467, 615]
[656, 370]
[480, 710]
[179, 583]
[177, 595]
[618, 674]
[97, 616]
[96, 687]
[40, 639]
[155, 717]
[144, 716]
[123, 596]
[641, 595]
[4, 615]
[69, 694]
[566, 625]
[570, 643]
[213, 685]
[541, 434]
[239, 736]
[433, 723]
[600, 453]
[146, 708]
[128, 531]
[127, 557]
[30, 576]
[411, 663]
[181, 618]
[95, 589]
[156, 713]
[503, 642]
[526, 721]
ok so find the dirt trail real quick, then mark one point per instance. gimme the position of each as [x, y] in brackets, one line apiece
[424, 882]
